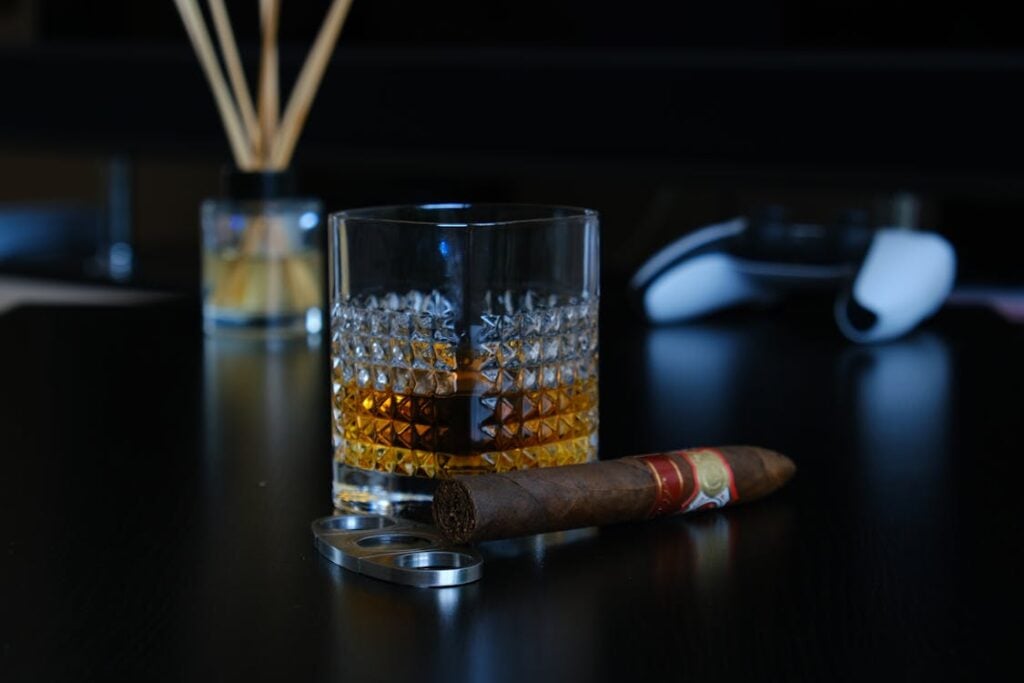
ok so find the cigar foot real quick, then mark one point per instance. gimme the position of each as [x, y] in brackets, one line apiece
[454, 511]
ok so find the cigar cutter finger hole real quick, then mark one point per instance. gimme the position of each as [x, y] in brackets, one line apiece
[436, 559]
[333, 536]
[425, 568]
[352, 523]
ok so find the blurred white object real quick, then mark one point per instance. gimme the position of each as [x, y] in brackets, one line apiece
[888, 279]
[905, 277]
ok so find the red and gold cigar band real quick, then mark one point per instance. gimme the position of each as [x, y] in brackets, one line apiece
[711, 483]
[670, 483]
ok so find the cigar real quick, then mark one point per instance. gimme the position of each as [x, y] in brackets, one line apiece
[492, 506]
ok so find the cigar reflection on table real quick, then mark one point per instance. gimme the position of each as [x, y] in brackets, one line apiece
[536, 547]
[691, 564]
[705, 554]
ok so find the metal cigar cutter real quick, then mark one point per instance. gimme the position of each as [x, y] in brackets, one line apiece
[396, 550]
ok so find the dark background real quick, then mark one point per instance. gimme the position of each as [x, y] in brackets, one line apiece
[664, 116]
[156, 486]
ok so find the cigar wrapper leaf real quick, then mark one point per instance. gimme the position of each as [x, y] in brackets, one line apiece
[506, 505]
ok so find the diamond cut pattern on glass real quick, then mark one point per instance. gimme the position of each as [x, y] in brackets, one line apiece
[520, 391]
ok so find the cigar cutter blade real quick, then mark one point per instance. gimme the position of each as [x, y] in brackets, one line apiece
[396, 550]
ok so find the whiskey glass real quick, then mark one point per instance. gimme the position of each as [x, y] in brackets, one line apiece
[463, 341]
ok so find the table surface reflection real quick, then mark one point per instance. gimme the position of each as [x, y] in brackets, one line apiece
[157, 490]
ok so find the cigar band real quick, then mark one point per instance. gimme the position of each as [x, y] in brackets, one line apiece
[713, 479]
[713, 484]
[669, 479]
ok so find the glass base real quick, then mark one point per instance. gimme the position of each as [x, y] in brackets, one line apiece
[358, 491]
[247, 324]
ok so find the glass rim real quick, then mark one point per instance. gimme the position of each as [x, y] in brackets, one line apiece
[545, 213]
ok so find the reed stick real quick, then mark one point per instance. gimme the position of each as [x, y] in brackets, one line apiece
[269, 275]
[301, 98]
[192, 17]
[236, 75]
[269, 100]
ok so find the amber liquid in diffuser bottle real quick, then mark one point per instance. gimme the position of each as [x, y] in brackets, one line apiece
[261, 258]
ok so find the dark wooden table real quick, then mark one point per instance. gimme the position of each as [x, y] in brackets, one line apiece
[157, 488]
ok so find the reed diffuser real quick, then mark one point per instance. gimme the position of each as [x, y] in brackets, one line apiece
[262, 256]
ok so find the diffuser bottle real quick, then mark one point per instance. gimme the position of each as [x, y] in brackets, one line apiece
[262, 260]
